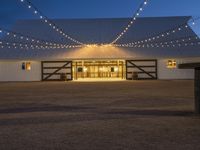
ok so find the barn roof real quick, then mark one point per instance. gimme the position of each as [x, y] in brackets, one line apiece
[101, 31]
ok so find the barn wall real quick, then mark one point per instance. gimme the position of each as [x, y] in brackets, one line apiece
[166, 73]
[12, 71]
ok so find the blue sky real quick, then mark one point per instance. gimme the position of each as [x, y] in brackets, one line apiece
[11, 10]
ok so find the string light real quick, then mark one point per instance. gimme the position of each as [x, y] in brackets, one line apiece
[32, 46]
[134, 18]
[168, 43]
[26, 38]
[158, 45]
[137, 43]
[164, 34]
[48, 22]
[180, 40]
[172, 43]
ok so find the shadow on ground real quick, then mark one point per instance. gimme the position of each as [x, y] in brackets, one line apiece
[81, 114]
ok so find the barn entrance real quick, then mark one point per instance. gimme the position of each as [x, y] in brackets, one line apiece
[99, 69]
[94, 70]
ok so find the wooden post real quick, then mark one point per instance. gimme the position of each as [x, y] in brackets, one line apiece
[195, 66]
[42, 71]
[197, 90]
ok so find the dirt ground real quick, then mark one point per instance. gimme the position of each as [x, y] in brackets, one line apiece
[128, 115]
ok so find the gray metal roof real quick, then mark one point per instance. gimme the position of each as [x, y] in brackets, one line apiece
[101, 31]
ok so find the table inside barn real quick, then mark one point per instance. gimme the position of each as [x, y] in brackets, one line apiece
[196, 67]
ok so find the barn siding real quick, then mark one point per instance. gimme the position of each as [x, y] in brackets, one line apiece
[166, 73]
[12, 71]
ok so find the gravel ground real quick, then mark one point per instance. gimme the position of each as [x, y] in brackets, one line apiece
[129, 115]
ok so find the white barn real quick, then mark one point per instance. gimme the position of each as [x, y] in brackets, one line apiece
[100, 61]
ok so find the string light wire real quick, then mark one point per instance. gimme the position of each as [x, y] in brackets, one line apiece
[165, 33]
[26, 38]
[51, 24]
[16, 45]
[130, 24]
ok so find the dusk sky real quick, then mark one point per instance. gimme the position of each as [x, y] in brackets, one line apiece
[11, 10]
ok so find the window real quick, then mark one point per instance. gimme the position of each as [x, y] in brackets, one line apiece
[23, 66]
[26, 66]
[171, 64]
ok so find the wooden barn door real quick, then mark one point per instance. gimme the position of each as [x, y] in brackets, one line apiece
[142, 69]
[56, 70]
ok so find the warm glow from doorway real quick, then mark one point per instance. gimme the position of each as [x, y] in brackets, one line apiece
[99, 46]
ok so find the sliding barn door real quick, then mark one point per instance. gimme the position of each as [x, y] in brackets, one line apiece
[143, 69]
[56, 70]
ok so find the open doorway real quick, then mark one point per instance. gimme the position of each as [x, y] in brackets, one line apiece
[99, 69]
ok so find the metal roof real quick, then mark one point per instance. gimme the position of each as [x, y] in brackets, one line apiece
[101, 31]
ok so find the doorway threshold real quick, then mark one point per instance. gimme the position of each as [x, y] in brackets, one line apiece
[99, 80]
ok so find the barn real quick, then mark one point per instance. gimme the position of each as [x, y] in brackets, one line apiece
[152, 49]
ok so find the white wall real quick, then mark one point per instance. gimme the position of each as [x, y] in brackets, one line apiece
[166, 73]
[12, 71]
